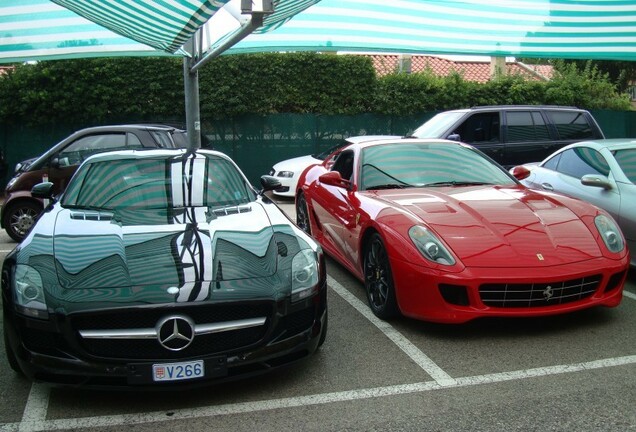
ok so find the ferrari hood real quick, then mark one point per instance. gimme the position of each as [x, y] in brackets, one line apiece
[151, 247]
[500, 227]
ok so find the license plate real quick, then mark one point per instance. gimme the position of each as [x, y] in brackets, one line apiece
[178, 371]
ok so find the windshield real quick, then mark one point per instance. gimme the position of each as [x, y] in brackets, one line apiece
[438, 125]
[627, 161]
[400, 165]
[158, 183]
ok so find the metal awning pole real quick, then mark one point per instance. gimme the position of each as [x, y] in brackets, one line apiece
[192, 64]
[191, 87]
[248, 27]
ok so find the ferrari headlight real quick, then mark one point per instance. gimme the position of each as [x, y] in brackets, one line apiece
[430, 246]
[287, 174]
[610, 233]
[28, 292]
[304, 274]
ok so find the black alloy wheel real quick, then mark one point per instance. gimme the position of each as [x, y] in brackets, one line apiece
[378, 279]
[302, 214]
[19, 218]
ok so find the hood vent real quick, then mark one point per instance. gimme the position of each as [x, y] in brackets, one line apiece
[225, 211]
[91, 216]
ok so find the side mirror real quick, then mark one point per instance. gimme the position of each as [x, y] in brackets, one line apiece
[43, 190]
[58, 162]
[454, 137]
[269, 183]
[333, 178]
[520, 172]
[596, 180]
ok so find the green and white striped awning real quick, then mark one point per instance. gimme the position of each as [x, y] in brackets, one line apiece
[43, 29]
[162, 24]
[592, 29]
[583, 29]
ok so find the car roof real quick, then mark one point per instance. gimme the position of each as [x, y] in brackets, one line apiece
[132, 126]
[610, 143]
[400, 140]
[363, 138]
[149, 154]
[517, 107]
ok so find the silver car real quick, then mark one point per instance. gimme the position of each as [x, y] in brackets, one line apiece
[602, 172]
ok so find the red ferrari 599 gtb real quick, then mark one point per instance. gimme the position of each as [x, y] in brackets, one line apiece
[439, 232]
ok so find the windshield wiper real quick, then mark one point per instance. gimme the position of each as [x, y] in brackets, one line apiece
[388, 186]
[456, 183]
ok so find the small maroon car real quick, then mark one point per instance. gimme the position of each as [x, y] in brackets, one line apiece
[58, 165]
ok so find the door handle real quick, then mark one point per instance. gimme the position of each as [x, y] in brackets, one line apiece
[547, 186]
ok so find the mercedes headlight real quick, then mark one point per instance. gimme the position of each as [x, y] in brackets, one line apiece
[305, 274]
[610, 233]
[430, 246]
[28, 292]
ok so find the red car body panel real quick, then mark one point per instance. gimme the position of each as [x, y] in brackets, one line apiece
[500, 235]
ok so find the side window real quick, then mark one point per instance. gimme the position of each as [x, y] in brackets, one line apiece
[580, 161]
[344, 165]
[572, 125]
[163, 139]
[523, 126]
[626, 159]
[478, 128]
[552, 162]
[133, 141]
[78, 150]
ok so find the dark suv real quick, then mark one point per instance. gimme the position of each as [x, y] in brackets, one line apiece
[513, 134]
[58, 165]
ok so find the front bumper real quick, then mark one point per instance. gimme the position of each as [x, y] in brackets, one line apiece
[50, 351]
[287, 186]
[473, 293]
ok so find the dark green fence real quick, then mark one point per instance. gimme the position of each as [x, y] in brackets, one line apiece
[258, 142]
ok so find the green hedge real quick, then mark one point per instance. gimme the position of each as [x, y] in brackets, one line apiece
[112, 90]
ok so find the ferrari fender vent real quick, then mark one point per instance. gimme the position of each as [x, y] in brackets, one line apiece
[538, 294]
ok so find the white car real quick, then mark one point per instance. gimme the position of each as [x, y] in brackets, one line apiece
[289, 170]
[602, 172]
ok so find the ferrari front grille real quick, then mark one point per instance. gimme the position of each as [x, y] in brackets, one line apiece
[538, 294]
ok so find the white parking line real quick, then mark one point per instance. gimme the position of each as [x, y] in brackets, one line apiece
[36, 407]
[311, 400]
[421, 359]
[34, 417]
[629, 295]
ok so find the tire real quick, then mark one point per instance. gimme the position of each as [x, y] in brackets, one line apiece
[302, 214]
[13, 362]
[19, 218]
[378, 279]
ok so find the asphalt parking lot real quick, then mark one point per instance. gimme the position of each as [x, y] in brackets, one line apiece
[569, 372]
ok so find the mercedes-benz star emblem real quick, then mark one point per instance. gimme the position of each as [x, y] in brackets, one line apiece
[175, 332]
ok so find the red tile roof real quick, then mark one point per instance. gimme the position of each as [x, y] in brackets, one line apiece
[5, 69]
[471, 70]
